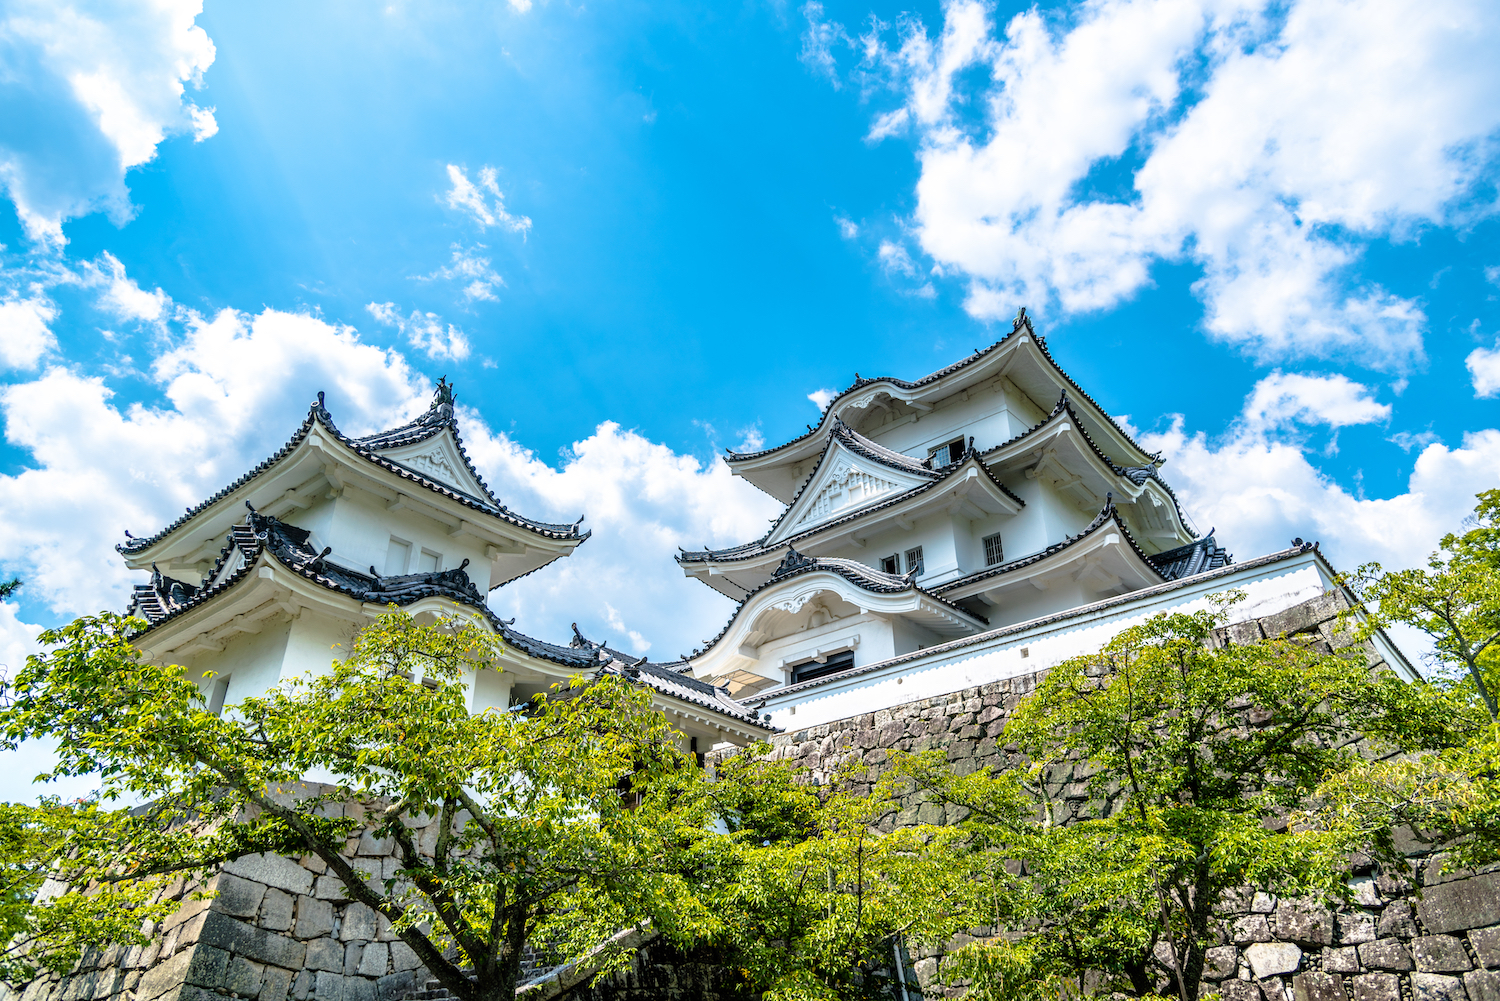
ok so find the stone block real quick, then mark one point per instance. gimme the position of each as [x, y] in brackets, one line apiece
[1262, 903]
[1304, 923]
[272, 870]
[358, 924]
[1377, 987]
[244, 978]
[1342, 960]
[330, 888]
[314, 918]
[1385, 954]
[374, 960]
[1461, 904]
[276, 984]
[1482, 985]
[352, 953]
[1486, 943]
[239, 897]
[1365, 892]
[1436, 987]
[359, 989]
[276, 910]
[206, 966]
[1220, 962]
[1317, 987]
[302, 986]
[1251, 928]
[1354, 928]
[395, 986]
[373, 846]
[1268, 959]
[163, 977]
[1240, 990]
[1397, 921]
[225, 932]
[328, 987]
[325, 954]
[1440, 954]
[403, 958]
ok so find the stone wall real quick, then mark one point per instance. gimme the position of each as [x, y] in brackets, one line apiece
[278, 928]
[1391, 946]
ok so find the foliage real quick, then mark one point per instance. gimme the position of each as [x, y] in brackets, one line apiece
[46, 925]
[9, 587]
[510, 826]
[1446, 797]
[1155, 765]
[1455, 599]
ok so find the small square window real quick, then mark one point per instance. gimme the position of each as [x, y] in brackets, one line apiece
[993, 551]
[947, 453]
[891, 564]
[429, 561]
[397, 557]
[217, 693]
[914, 561]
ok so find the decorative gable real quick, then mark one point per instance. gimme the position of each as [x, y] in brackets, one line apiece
[438, 458]
[844, 484]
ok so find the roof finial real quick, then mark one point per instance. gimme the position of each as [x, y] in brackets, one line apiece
[1022, 320]
[1109, 500]
[250, 506]
[442, 398]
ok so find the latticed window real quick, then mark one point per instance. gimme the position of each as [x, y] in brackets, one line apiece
[993, 552]
[914, 561]
[947, 454]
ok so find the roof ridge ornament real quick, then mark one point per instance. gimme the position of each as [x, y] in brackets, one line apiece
[1022, 320]
[793, 561]
[443, 399]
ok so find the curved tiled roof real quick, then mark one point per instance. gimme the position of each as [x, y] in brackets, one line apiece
[752, 550]
[875, 581]
[1194, 558]
[164, 599]
[438, 417]
[1022, 323]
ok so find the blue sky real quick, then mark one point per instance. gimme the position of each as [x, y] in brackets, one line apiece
[634, 234]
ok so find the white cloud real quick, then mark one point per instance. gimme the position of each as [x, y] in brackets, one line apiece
[1260, 493]
[471, 198]
[893, 257]
[1279, 400]
[122, 297]
[1071, 167]
[822, 397]
[638, 643]
[105, 82]
[24, 332]
[1484, 370]
[467, 266]
[819, 40]
[424, 331]
[848, 229]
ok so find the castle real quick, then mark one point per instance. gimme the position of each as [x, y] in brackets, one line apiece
[981, 523]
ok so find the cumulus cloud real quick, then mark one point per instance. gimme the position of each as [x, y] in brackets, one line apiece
[848, 228]
[1266, 143]
[819, 40]
[1279, 400]
[25, 334]
[102, 83]
[467, 266]
[822, 397]
[1484, 370]
[1260, 493]
[483, 202]
[121, 296]
[424, 331]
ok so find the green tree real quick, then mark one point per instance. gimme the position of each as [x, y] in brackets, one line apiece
[1164, 769]
[1447, 797]
[534, 841]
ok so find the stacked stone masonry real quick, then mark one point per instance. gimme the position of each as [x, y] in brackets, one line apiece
[282, 928]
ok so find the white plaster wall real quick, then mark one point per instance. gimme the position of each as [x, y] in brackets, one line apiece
[1018, 650]
[359, 528]
[252, 661]
[491, 691]
[876, 643]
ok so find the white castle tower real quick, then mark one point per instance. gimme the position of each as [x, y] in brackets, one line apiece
[986, 521]
[263, 580]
